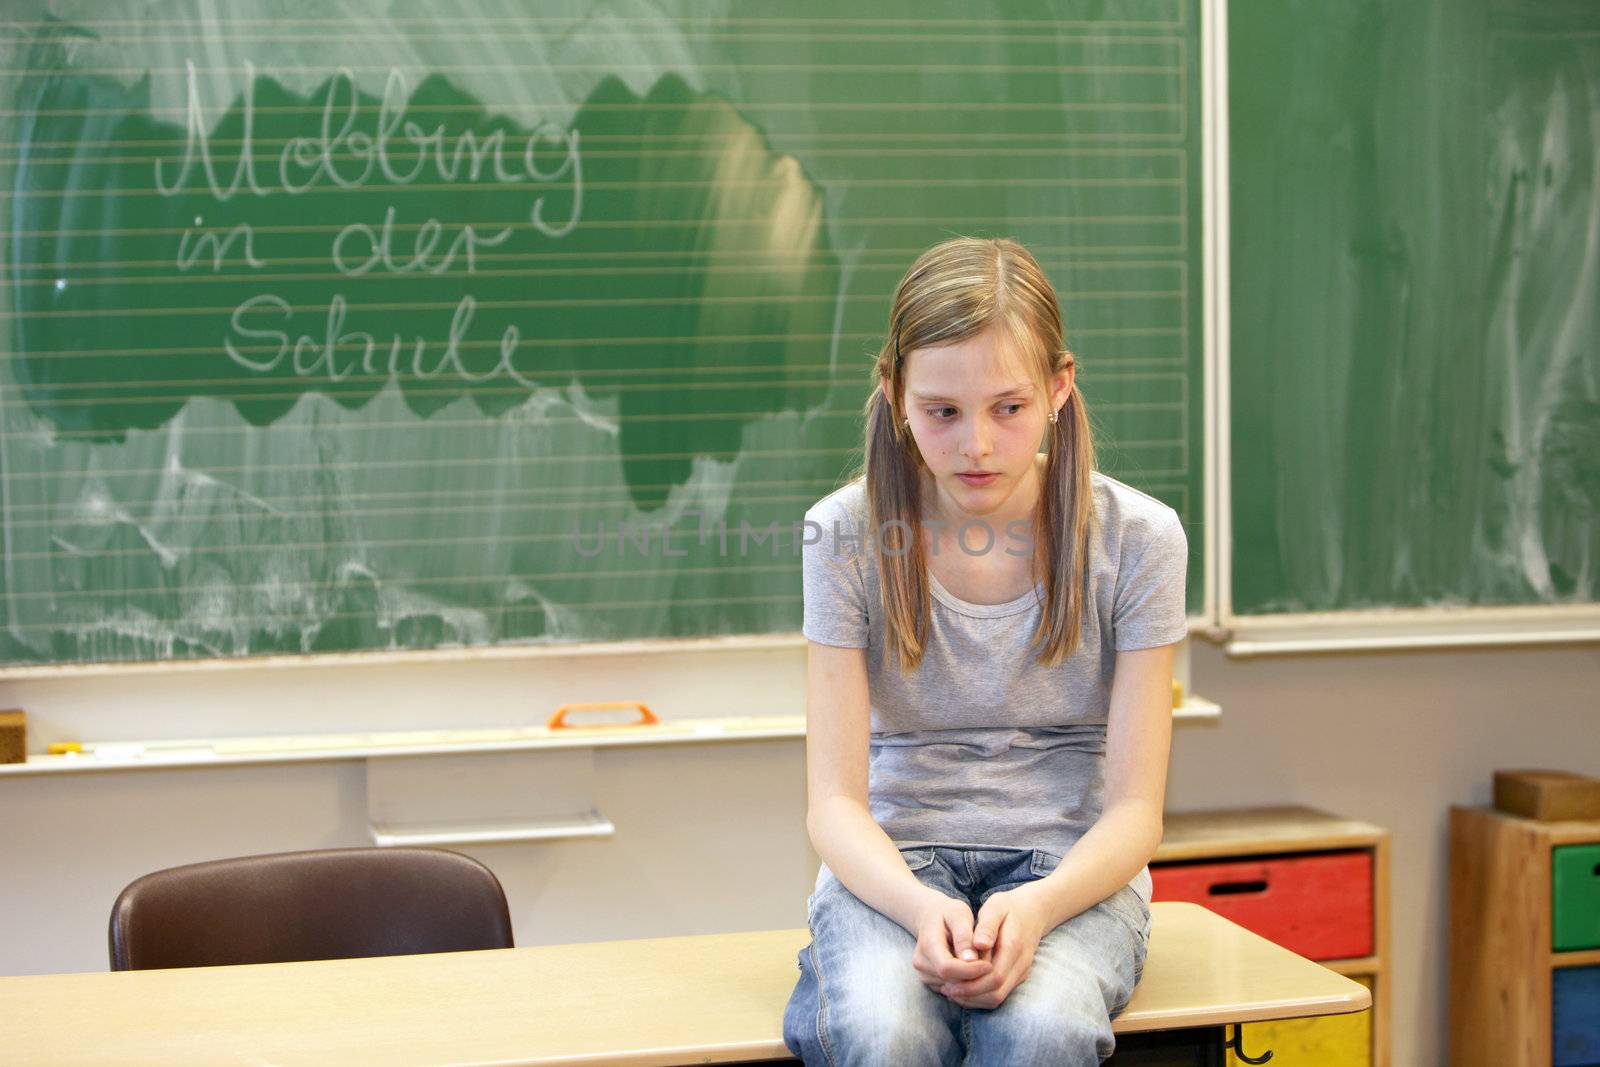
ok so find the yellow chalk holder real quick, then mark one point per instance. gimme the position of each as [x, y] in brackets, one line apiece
[13, 737]
[65, 748]
[1177, 693]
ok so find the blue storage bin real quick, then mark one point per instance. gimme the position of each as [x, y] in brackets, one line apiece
[1577, 1016]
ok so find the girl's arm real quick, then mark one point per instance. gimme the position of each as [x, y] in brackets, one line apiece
[849, 839]
[841, 826]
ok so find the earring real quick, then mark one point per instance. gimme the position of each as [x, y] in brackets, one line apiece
[908, 424]
[1052, 416]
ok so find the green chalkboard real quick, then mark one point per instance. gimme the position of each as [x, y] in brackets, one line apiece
[391, 326]
[1415, 257]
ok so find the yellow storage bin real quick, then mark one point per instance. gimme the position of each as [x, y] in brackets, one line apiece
[1329, 1041]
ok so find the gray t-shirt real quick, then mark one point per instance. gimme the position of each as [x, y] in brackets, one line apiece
[981, 746]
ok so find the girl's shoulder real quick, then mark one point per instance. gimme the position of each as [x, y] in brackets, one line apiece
[1124, 514]
[846, 504]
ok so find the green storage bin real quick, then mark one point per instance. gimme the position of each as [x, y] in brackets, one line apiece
[1575, 896]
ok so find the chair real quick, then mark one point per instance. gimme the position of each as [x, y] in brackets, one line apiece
[317, 905]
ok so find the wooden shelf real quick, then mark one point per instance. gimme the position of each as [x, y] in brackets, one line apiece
[1259, 832]
[1501, 964]
[1588, 957]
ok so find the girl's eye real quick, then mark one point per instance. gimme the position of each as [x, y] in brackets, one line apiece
[935, 413]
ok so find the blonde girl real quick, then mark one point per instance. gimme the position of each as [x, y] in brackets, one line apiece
[991, 636]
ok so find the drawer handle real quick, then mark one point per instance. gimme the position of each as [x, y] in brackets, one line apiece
[1233, 888]
[558, 721]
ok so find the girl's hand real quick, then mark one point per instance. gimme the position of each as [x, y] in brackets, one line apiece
[945, 952]
[1009, 928]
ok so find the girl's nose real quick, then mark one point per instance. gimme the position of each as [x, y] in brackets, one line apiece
[976, 442]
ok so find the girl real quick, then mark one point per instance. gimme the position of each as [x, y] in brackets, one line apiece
[989, 696]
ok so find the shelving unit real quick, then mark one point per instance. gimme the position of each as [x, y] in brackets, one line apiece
[1504, 931]
[1257, 838]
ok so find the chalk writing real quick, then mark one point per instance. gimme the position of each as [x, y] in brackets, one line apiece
[393, 150]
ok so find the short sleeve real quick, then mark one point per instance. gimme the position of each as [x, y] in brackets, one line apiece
[1150, 605]
[834, 593]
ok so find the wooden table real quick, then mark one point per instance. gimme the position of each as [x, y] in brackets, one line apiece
[712, 999]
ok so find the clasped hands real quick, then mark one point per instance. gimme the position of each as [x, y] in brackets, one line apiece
[976, 961]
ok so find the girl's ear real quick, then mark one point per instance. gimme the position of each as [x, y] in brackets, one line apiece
[1062, 385]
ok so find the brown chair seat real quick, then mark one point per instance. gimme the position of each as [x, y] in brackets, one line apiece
[317, 905]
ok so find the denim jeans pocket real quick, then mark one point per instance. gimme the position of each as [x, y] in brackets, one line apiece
[916, 858]
[1043, 862]
[1129, 906]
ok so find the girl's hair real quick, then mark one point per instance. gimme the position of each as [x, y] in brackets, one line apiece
[956, 290]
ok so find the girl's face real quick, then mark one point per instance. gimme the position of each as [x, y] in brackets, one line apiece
[975, 408]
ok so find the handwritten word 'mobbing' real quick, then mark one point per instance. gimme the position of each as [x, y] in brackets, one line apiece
[348, 158]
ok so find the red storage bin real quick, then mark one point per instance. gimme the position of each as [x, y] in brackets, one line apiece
[1318, 905]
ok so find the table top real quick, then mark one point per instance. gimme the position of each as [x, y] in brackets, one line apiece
[706, 999]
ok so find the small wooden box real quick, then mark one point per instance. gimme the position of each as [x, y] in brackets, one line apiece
[13, 737]
[1549, 796]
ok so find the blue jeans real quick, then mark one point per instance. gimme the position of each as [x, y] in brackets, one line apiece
[860, 1001]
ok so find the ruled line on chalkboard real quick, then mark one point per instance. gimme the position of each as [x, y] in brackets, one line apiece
[778, 141]
[365, 543]
[267, 156]
[521, 105]
[750, 71]
[664, 183]
[526, 500]
[534, 304]
[881, 259]
[480, 461]
[103, 522]
[430, 500]
[533, 494]
[588, 457]
[545, 420]
[423, 22]
[400, 615]
[191, 552]
[1104, 369]
[446, 388]
[71, 514]
[1151, 36]
[259, 276]
[494, 344]
[606, 342]
[875, 257]
[462, 579]
[645, 224]
[461, 391]
[1103, 372]
[204, 34]
[373, 379]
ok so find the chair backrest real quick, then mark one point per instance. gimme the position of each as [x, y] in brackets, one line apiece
[318, 905]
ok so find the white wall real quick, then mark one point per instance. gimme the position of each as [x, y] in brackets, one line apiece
[711, 837]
